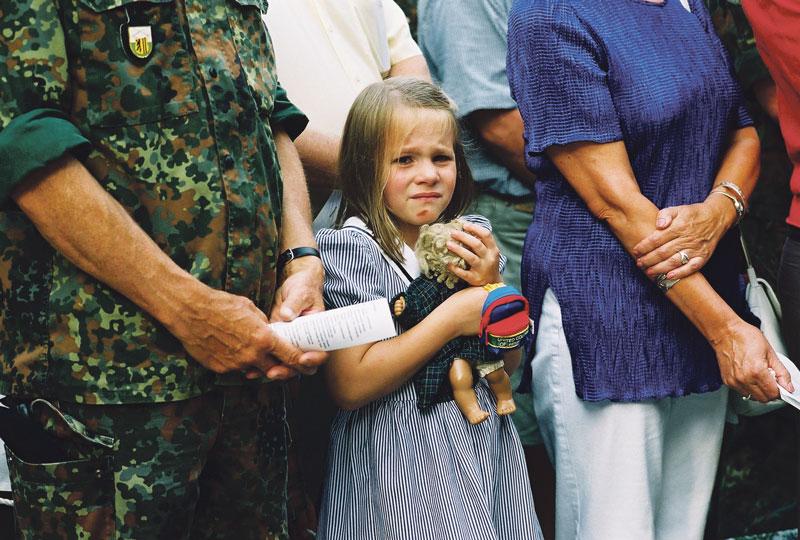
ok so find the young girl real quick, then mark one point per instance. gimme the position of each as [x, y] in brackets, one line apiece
[394, 472]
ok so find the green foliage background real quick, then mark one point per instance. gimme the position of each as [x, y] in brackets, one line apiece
[410, 7]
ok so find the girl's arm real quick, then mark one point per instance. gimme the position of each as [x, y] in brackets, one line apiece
[602, 176]
[360, 375]
[697, 228]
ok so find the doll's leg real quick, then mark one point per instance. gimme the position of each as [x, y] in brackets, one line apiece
[461, 380]
[501, 388]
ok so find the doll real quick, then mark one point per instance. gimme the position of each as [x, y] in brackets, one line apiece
[504, 326]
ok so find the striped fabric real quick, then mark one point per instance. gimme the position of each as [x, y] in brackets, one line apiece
[396, 473]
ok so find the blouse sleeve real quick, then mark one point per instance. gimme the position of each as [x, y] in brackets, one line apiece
[558, 72]
[352, 268]
[478, 219]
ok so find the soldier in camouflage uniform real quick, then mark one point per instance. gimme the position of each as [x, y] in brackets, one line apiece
[759, 454]
[142, 207]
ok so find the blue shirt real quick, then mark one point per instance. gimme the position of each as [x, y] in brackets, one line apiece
[473, 73]
[656, 77]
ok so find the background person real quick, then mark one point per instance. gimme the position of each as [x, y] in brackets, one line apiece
[777, 30]
[752, 495]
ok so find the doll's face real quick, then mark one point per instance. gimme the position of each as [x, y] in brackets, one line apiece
[422, 173]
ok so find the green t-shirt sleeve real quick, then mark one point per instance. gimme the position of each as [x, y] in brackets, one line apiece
[287, 115]
[31, 141]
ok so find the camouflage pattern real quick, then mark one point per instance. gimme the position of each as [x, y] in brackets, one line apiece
[208, 467]
[182, 141]
[756, 491]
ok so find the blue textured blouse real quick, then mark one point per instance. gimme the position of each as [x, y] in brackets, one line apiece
[656, 77]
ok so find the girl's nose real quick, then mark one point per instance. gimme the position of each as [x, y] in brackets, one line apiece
[428, 172]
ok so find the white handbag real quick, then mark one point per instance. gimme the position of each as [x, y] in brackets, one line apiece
[764, 304]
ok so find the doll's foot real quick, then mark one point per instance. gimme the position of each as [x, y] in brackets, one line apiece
[399, 306]
[506, 406]
[476, 416]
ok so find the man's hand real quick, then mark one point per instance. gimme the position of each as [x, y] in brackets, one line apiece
[225, 332]
[300, 292]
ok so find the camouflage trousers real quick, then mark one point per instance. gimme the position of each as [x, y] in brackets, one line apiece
[208, 467]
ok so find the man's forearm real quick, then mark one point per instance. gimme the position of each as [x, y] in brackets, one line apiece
[502, 133]
[415, 67]
[92, 230]
[319, 154]
[296, 224]
[224, 332]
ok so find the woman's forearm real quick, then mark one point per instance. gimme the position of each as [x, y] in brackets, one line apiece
[602, 176]
[740, 166]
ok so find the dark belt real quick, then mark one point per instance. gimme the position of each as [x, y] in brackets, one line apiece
[793, 233]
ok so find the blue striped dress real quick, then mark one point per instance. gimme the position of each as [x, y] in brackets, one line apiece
[395, 473]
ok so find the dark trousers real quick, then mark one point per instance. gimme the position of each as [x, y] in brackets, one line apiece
[789, 295]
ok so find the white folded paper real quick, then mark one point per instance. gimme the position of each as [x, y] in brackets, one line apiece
[339, 328]
[792, 398]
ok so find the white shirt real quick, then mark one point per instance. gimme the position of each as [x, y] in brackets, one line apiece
[327, 51]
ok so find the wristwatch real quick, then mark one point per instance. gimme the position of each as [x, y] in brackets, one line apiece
[295, 253]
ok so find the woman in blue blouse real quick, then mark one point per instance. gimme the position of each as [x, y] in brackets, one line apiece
[629, 106]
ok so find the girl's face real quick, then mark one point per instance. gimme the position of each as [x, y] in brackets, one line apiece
[422, 174]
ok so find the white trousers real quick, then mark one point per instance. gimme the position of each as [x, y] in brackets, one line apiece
[634, 471]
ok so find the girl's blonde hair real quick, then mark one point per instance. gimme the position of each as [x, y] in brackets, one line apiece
[373, 133]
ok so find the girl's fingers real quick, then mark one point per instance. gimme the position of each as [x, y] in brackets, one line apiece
[472, 242]
[457, 249]
[481, 233]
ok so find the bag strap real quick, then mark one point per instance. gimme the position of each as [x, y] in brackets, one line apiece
[756, 281]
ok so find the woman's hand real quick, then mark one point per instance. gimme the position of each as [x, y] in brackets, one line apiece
[747, 363]
[477, 247]
[465, 308]
[685, 238]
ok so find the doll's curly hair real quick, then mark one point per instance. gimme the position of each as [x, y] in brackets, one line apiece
[433, 255]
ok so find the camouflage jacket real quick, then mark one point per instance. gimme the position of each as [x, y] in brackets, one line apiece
[181, 138]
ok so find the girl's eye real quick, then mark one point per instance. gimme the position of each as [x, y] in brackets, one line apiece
[443, 158]
[403, 160]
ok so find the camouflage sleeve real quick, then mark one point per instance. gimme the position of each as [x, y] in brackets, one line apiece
[33, 74]
[287, 115]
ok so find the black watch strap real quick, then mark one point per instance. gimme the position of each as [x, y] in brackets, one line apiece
[295, 253]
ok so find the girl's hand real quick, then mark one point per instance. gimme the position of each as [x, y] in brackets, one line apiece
[465, 308]
[693, 229]
[747, 362]
[477, 247]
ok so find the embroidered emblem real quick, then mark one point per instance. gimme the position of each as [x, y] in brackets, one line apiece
[140, 41]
